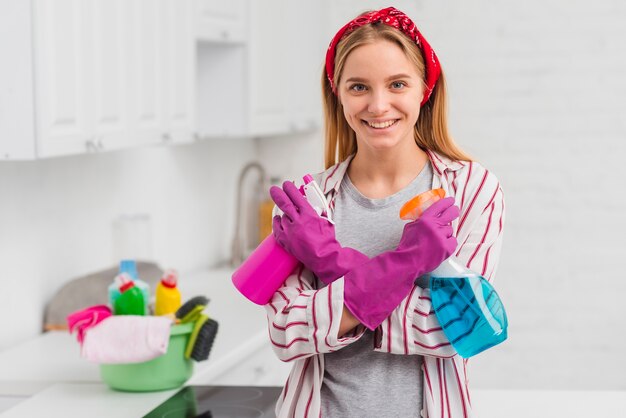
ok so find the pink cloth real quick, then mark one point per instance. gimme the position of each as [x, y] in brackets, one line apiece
[127, 339]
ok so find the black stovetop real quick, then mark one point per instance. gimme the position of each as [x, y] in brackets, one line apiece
[219, 402]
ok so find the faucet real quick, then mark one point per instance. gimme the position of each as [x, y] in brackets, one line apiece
[239, 243]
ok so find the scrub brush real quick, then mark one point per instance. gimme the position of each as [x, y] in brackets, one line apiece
[190, 310]
[202, 338]
[204, 330]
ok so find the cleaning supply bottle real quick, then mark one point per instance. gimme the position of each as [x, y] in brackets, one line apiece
[468, 308]
[266, 269]
[130, 267]
[266, 206]
[167, 294]
[130, 301]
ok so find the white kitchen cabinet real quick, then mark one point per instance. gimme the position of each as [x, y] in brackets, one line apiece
[307, 48]
[269, 63]
[106, 60]
[269, 85]
[146, 92]
[179, 63]
[106, 74]
[221, 21]
[62, 48]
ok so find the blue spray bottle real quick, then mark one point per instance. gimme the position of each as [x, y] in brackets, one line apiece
[468, 308]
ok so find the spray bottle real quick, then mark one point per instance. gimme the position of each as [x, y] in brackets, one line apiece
[130, 301]
[267, 268]
[468, 308]
[168, 298]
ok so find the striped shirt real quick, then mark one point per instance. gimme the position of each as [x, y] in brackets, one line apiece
[303, 320]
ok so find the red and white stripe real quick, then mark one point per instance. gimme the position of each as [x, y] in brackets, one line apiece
[304, 320]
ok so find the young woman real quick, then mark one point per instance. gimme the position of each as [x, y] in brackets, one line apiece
[362, 337]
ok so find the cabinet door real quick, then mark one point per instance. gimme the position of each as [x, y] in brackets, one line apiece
[223, 22]
[307, 52]
[145, 78]
[110, 73]
[62, 39]
[179, 65]
[17, 122]
[269, 62]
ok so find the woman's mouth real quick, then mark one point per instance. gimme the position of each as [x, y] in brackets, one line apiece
[381, 125]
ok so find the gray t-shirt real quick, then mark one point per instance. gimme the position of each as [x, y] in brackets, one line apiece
[359, 382]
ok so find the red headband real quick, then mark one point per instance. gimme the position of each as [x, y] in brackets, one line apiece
[395, 18]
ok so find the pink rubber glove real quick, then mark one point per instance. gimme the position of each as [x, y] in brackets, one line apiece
[310, 238]
[374, 289]
[84, 319]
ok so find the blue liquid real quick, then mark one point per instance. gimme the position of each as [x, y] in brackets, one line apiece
[470, 312]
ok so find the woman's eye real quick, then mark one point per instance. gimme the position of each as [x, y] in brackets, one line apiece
[398, 84]
[357, 87]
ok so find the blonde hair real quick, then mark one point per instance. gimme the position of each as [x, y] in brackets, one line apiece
[431, 129]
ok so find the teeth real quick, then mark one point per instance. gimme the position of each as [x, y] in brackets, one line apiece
[382, 124]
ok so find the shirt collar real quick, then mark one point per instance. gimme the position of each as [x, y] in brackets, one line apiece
[441, 163]
[331, 178]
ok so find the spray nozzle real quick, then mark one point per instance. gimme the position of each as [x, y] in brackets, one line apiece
[123, 281]
[170, 278]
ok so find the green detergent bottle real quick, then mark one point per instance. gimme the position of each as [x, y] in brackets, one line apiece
[131, 300]
[130, 267]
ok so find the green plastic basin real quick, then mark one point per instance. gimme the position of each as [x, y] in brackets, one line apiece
[169, 371]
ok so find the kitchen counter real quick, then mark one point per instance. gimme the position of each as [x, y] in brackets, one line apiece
[54, 357]
[97, 401]
[91, 400]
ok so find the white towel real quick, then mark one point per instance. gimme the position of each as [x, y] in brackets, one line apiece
[127, 339]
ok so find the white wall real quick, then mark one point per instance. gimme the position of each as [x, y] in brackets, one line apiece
[56, 217]
[536, 92]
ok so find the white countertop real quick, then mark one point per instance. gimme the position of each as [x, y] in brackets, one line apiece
[97, 401]
[93, 400]
[54, 357]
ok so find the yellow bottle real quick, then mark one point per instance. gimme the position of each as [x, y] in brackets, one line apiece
[168, 298]
[265, 218]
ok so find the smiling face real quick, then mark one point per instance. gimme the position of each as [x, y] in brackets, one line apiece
[380, 91]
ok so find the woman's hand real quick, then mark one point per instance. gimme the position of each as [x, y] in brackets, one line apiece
[428, 241]
[373, 290]
[309, 237]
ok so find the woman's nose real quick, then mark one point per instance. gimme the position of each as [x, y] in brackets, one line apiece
[379, 102]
